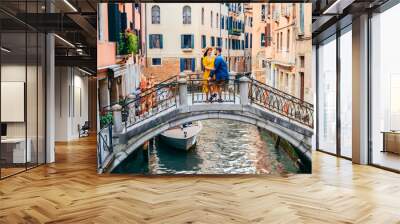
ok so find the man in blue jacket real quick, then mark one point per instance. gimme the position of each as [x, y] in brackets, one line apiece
[221, 72]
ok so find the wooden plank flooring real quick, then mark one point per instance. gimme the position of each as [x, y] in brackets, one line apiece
[70, 191]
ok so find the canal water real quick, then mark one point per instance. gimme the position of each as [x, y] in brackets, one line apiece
[223, 147]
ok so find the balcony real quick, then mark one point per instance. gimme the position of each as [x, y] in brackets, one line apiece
[285, 57]
[234, 31]
[187, 49]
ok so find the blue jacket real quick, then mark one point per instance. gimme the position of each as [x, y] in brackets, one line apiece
[221, 69]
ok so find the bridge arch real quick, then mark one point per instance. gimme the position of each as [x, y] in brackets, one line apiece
[134, 137]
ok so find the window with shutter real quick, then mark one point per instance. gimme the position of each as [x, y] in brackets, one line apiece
[150, 41]
[301, 31]
[124, 21]
[187, 41]
[155, 41]
[193, 64]
[114, 22]
[182, 64]
[262, 39]
[187, 64]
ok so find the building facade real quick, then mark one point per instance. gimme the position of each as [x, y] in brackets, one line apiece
[290, 53]
[282, 51]
[175, 36]
[118, 71]
[258, 46]
[248, 28]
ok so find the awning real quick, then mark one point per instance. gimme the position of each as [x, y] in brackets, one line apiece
[117, 70]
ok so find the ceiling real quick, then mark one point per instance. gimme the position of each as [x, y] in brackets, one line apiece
[330, 15]
[74, 22]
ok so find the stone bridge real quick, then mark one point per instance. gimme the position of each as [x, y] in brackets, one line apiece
[179, 101]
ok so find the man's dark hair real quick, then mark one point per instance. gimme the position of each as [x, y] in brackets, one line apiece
[219, 49]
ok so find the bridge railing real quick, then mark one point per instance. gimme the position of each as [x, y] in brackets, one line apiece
[281, 103]
[151, 102]
[104, 144]
[197, 88]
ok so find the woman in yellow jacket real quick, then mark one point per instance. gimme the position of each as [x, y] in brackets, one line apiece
[208, 64]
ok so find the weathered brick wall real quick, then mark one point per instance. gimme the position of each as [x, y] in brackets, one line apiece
[169, 67]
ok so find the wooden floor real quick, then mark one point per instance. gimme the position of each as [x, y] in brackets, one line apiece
[70, 191]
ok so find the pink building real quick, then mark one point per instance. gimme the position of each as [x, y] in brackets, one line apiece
[118, 72]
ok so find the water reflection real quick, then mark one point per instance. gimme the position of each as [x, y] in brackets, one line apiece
[223, 147]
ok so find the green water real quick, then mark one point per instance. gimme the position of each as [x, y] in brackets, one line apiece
[223, 147]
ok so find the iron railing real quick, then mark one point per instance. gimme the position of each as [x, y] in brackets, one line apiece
[197, 89]
[282, 103]
[104, 144]
[150, 102]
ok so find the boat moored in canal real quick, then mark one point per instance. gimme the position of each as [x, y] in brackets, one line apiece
[182, 137]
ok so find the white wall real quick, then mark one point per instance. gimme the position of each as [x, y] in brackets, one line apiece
[34, 125]
[71, 102]
[16, 73]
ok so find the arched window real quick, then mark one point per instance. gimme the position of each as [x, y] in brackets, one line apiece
[155, 14]
[216, 21]
[187, 15]
[202, 16]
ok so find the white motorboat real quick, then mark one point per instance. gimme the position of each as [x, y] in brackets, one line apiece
[182, 137]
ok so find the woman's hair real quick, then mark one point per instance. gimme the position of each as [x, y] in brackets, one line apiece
[206, 52]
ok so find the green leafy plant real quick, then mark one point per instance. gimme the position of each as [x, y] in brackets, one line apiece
[128, 44]
[132, 42]
[106, 119]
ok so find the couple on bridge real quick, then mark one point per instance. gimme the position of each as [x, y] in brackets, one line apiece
[215, 75]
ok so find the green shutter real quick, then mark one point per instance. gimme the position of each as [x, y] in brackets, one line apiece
[161, 41]
[150, 41]
[182, 64]
[193, 64]
[262, 39]
[192, 40]
[124, 21]
[114, 22]
[182, 41]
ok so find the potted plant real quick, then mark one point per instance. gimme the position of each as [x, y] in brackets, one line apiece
[128, 44]
[105, 119]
